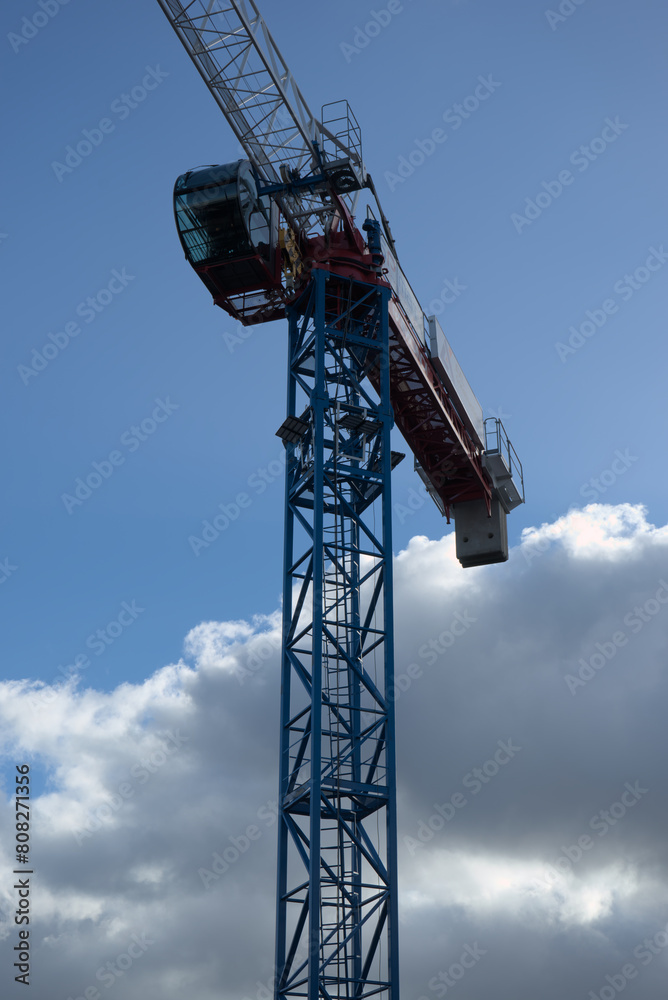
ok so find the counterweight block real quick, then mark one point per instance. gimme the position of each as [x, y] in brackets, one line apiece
[480, 539]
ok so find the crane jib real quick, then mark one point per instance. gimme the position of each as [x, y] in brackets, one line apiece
[234, 52]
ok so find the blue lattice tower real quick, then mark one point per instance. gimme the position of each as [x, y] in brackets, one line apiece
[337, 906]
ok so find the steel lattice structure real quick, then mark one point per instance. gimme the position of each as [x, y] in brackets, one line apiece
[337, 906]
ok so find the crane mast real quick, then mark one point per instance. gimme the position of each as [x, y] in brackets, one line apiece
[274, 236]
[336, 928]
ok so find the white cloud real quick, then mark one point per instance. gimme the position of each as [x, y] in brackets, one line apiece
[521, 889]
[598, 531]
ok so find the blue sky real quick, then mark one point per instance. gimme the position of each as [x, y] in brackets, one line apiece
[584, 93]
[161, 336]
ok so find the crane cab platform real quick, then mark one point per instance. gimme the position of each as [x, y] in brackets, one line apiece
[229, 234]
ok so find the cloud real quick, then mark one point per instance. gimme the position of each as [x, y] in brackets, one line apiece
[532, 810]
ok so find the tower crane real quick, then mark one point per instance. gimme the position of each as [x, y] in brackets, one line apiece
[274, 235]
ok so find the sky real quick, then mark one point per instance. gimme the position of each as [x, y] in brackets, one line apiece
[140, 680]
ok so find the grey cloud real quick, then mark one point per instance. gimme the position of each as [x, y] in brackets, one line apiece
[508, 635]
